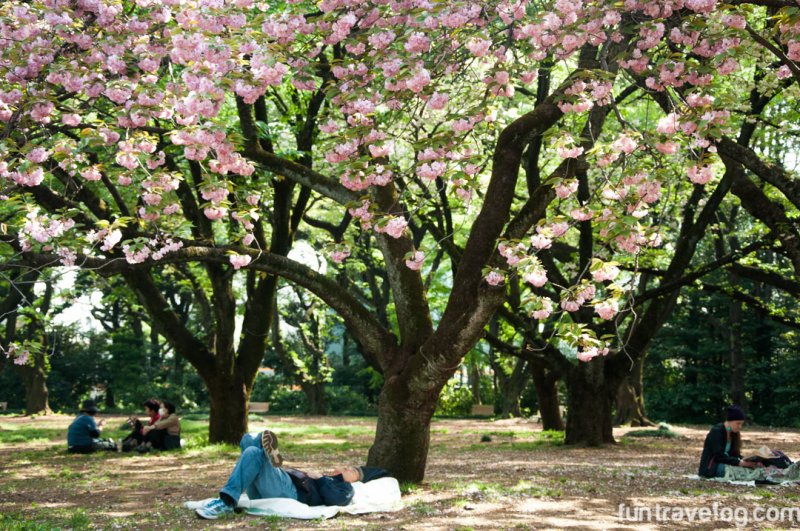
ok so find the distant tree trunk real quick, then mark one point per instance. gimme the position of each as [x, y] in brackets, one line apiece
[475, 381]
[589, 402]
[109, 398]
[737, 357]
[315, 394]
[34, 377]
[34, 373]
[630, 398]
[511, 387]
[546, 382]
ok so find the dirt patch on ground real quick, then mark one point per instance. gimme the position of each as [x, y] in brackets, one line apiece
[520, 479]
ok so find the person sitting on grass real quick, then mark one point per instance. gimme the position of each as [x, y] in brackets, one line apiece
[83, 434]
[723, 446]
[258, 472]
[165, 433]
[137, 438]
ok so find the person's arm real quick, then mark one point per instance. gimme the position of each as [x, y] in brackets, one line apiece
[94, 428]
[164, 423]
[718, 450]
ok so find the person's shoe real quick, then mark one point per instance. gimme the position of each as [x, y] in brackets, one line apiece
[143, 448]
[269, 442]
[214, 509]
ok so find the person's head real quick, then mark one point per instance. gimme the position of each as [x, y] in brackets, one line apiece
[734, 418]
[151, 407]
[350, 474]
[89, 407]
[167, 408]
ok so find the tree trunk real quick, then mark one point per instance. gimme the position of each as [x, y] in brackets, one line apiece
[315, 394]
[589, 402]
[402, 436]
[737, 357]
[511, 388]
[629, 400]
[475, 381]
[229, 403]
[34, 377]
[547, 395]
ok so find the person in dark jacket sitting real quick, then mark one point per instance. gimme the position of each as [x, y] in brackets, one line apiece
[258, 472]
[723, 446]
[83, 433]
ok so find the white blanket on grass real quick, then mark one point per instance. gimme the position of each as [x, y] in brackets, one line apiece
[750, 483]
[379, 495]
[722, 480]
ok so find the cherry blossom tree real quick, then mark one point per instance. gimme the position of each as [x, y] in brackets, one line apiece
[146, 134]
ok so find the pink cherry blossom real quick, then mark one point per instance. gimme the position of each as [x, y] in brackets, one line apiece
[668, 124]
[569, 152]
[540, 241]
[339, 255]
[590, 353]
[239, 261]
[415, 262]
[606, 272]
[394, 228]
[607, 309]
[38, 155]
[215, 213]
[494, 278]
[700, 175]
[438, 101]
[544, 309]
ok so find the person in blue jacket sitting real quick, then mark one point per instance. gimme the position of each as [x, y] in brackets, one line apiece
[83, 434]
[258, 472]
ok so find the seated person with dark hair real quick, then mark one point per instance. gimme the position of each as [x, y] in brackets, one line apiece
[83, 434]
[258, 472]
[137, 437]
[165, 433]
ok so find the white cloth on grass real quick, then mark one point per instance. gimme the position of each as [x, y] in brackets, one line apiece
[723, 480]
[378, 495]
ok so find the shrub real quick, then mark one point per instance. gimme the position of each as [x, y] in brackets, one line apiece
[454, 401]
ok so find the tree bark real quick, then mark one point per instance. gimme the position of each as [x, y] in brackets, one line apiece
[315, 394]
[630, 398]
[34, 377]
[229, 399]
[737, 356]
[475, 381]
[402, 436]
[589, 400]
[547, 394]
[511, 387]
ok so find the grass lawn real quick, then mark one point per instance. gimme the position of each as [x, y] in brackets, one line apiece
[482, 474]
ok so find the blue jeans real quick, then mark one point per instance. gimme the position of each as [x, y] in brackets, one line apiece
[255, 475]
[719, 471]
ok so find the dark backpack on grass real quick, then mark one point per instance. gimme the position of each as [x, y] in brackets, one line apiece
[778, 459]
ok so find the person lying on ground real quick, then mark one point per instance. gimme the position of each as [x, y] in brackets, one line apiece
[258, 473]
[165, 433]
[84, 432]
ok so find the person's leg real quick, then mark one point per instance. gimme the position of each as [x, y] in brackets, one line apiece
[249, 440]
[256, 475]
[104, 444]
[156, 438]
[80, 449]
[740, 473]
